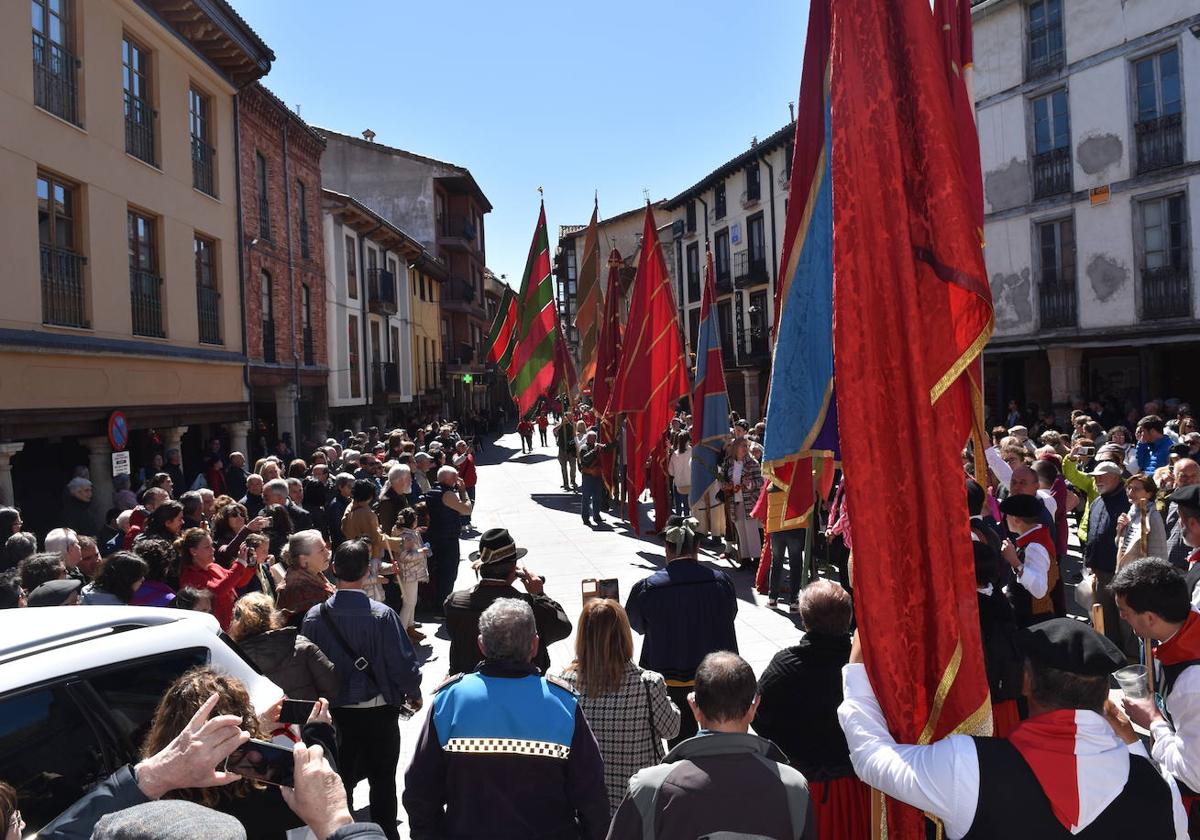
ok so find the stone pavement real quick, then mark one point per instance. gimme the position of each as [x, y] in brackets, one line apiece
[523, 494]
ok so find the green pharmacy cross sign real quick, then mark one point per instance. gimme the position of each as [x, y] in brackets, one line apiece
[468, 379]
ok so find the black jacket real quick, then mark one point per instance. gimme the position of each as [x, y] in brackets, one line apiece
[235, 481]
[293, 663]
[1100, 553]
[464, 607]
[799, 693]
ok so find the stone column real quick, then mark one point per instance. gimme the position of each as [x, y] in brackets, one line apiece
[239, 437]
[285, 411]
[7, 450]
[100, 468]
[1066, 374]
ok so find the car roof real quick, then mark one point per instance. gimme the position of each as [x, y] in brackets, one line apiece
[32, 627]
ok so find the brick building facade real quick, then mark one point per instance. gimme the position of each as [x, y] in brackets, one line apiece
[283, 270]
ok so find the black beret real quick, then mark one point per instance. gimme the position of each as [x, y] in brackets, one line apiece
[1187, 496]
[1026, 507]
[1072, 646]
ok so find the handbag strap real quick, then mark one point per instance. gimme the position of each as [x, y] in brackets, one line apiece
[655, 741]
[361, 663]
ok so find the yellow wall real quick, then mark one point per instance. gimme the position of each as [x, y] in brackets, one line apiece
[426, 324]
[110, 181]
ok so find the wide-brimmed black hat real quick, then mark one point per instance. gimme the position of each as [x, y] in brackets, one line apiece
[1025, 507]
[497, 546]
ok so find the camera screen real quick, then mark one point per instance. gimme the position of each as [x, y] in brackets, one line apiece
[262, 761]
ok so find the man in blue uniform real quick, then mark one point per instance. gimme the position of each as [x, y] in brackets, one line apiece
[506, 753]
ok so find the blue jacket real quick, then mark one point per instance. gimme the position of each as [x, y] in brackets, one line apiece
[1151, 456]
[373, 631]
[506, 753]
[685, 612]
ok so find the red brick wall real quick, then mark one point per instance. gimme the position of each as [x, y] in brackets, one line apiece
[262, 122]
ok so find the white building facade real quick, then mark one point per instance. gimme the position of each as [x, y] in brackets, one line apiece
[740, 209]
[368, 312]
[1089, 129]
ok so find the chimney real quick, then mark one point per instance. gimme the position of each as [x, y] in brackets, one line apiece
[792, 111]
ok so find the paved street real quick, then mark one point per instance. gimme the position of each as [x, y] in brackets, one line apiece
[522, 493]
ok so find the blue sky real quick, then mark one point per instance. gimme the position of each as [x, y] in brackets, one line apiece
[615, 96]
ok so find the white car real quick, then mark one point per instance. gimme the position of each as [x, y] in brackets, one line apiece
[79, 686]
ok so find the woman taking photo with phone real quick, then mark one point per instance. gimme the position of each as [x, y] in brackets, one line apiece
[628, 707]
[257, 806]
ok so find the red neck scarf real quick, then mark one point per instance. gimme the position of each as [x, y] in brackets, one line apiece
[1184, 645]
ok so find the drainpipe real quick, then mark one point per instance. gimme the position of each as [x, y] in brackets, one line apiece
[241, 255]
[291, 262]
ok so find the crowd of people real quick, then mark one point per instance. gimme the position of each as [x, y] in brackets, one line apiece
[320, 569]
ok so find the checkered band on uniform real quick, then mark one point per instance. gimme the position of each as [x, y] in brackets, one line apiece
[515, 746]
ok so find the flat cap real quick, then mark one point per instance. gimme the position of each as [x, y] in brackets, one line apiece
[53, 593]
[1026, 507]
[168, 819]
[1072, 646]
[1187, 496]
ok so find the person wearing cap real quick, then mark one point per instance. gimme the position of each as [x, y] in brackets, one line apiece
[1155, 601]
[506, 753]
[1021, 433]
[55, 593]
[1100, 551]
[1031, 571]
[1075, 767]
[498, 569]
[1081, 479]
[1186, 503]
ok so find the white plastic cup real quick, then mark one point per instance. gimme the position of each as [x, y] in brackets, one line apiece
[1133, 682]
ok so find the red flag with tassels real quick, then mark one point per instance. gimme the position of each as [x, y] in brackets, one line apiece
[652, 375]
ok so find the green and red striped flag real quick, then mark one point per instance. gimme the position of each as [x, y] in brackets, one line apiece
[532, 370]
[503, 335]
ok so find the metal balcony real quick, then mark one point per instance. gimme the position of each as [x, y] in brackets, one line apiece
[208, 311]
[63, 303]
[1057, 305]
[139, 129]
[1166, 292]
[55, 86]
[747, 270]
[457, 231]
[385, 380]
[1159, 142]
[145, 297]
[202, 167]
[381, 291]
[1052, 172]
[459, 295]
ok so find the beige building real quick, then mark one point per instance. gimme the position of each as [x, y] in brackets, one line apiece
[119, 230]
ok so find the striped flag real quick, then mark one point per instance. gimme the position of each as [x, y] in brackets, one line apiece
[503, 334]
[532, 372]
[591, 303]
[608, 359]
[710, 401]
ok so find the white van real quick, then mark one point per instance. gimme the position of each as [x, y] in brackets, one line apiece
[79, 685]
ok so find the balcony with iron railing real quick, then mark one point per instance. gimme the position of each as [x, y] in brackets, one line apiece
[385, 380]
[1057, 305]
[145, 298]
[139, 129]
[55, 83]
[1159, 142]
[1045, 53]
[459, 295]
[460, 354]
[208, 312]
[747, 270]
[457, 231]
[268, 342]
[63, 302]
[1052, 172]
[202, 166]
[381, 291]
[1166, 292]
[309, 357]
[760, 349]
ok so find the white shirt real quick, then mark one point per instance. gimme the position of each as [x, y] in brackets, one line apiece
[1048, 500]
[680, 469]
[1177, 750]
[941, 778]
[1036, 570]
[999, 467]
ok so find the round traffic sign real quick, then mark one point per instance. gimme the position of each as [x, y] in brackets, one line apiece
[118, 431]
